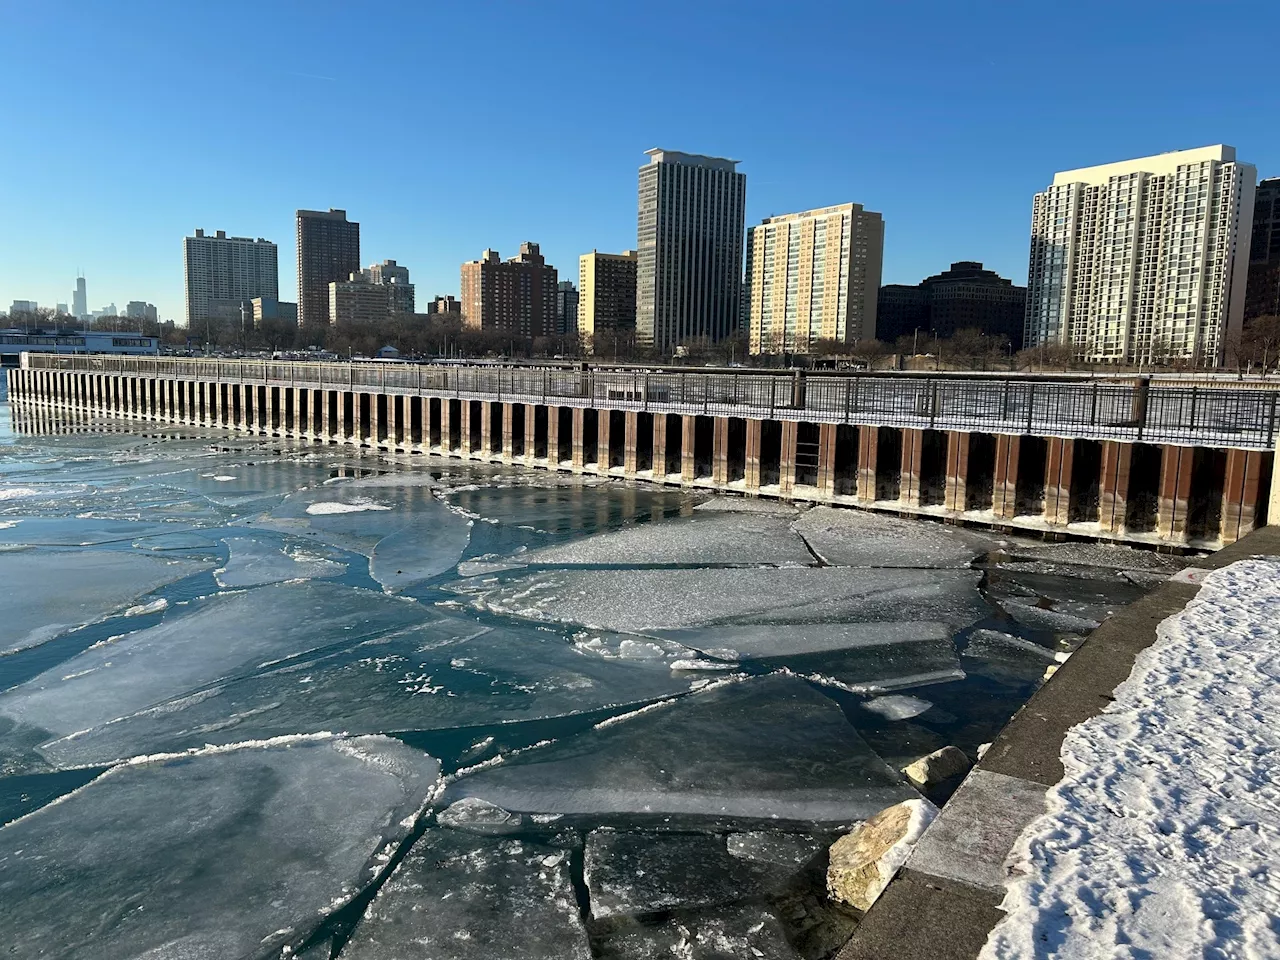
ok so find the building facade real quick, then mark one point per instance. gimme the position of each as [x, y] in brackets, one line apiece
[1143, 260]
[328, 251]
[607, 292]
[813, 276]
[441, 306]
[567, 299]
[223, 272]
[689, 249]
[141, 310]
[266, 308]
[1262, 298]
[966, 297]
[23, 306]
[515, 297]
[361, 299]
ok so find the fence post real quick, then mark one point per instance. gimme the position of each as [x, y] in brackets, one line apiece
[1031, 403]
[1271, 420]
[1093, 404]
[933, 403]
[1193, 407]
[773, 402]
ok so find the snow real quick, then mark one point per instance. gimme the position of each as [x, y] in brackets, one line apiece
[14, 493]
[479, 816]
[769, 748]
[48, 592]
[222, 854]
[1160, 839]
[458, 896]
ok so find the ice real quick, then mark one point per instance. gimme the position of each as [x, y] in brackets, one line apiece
[631, 873]
[772, 641]
[83, 531]
[855, 538]
[479, 816]
[457, 896]
[738, 932]
[768, 748]
[190, 655]
[652, 600]
[408, 535]
[48, 592]
[897, 707]
[1113, 556]
[745, 505]
[259, 560]
[1041, 618]
[714, 538]
[996, 645]
[559, 504]
[785, 849]
[231, 853]
[440, 674]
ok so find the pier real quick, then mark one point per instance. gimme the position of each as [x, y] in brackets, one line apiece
[1170, 462]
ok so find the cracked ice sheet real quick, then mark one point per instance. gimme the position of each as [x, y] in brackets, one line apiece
[855, 538]
[442, 674]
[458, 896]
[640, 601]
[738, 932]
[712, 538]
[1161, 838]
[565, 505]
[766, 748]
[195, 647]
[47, 593]
[228, 853]
[630, 873]
[408, 535]
[260, 560]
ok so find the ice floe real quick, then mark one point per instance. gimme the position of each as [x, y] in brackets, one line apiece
[855, 538]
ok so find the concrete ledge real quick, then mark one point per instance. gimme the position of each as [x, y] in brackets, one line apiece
[946, 900]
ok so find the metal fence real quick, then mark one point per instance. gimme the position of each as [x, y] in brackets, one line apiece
[1218, 415]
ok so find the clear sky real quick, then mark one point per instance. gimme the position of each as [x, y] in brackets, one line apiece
[448, 127]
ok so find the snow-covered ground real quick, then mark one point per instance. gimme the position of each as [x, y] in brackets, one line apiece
[1161, 840]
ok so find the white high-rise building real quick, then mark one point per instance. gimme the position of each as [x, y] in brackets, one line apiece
[689, 249]
[813, 276]
[1143, 260]
[224, 272]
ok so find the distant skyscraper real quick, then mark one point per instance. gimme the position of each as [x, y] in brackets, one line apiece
[23, 306]
[606, 293]
[328, 251]
[516, 297]
[566, 308]
[1144, 259]
[689, 243]
[444, 305]
[62, 309]
[135, 309]
[224, 272]
[964, 297]
[372, 295]
[813, 276]
[80, 300]
[1263, 297]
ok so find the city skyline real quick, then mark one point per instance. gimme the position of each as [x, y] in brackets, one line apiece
[966, 112]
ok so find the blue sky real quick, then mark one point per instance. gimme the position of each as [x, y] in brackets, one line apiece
[446, 128]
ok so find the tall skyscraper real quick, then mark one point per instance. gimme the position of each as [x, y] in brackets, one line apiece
[566, 308]
[964, 297]
[80, 300]
[517, 296]
[813, 276]
[689, 248]
[223, 272]
[328, 251]
[606, 293]
[1263, 297]
[1144, 259]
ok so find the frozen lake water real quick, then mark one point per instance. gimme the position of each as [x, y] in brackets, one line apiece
[267, 699]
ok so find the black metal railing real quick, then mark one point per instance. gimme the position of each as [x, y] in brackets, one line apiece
[1216, 414]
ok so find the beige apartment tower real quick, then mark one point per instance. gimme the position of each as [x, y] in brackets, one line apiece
[1142, 261]
[606, 293]
[813, 276]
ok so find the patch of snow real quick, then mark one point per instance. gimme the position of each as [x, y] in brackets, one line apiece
[155, 606]
[1160, 839]
[328, 508]
[897, 706]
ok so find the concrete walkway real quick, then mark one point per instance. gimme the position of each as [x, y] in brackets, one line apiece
[945, 901]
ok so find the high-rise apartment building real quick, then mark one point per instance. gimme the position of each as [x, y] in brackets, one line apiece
[566, 308]
[813, 276]
[328, 251]
[516, 296]
[140, 310]
[1263, 293]
[61, 309]
[376, 294]
[223, 272]
[606, 292]
[1144, 259]
[265, 308]
[440, 306]
[23, 306]
[689, 249]
[966, 297]
[80, 300]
